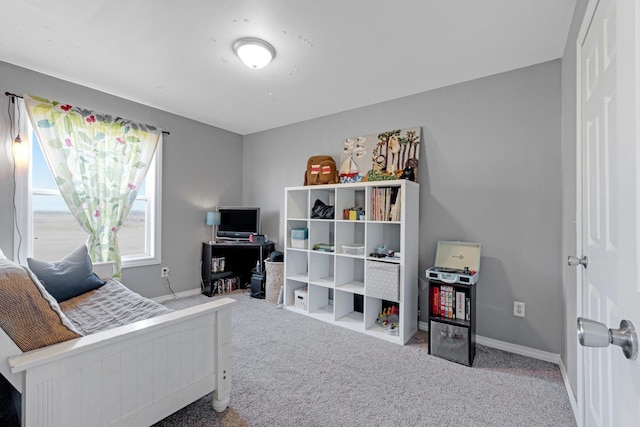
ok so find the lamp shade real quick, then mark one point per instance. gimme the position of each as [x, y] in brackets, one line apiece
[213, 218]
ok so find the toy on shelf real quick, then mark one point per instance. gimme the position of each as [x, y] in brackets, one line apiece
[388, 318]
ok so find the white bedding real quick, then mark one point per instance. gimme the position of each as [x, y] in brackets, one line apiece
[109, 306]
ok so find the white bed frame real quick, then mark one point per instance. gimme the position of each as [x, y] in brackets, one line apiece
[132, 375]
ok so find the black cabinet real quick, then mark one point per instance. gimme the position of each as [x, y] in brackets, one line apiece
[240, 260]
[452, 321]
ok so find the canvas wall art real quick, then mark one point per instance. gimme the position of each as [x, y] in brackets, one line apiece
[378, 157]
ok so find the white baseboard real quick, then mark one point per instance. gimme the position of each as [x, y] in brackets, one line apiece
[573, 400]
[519, 349]
[182, 294]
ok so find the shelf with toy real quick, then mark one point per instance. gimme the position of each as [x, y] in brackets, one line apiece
[383, 319]
[383, 238]
[351, 255]
[389, 319]
[350, 203]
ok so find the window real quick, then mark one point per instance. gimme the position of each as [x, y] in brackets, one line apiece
[48, 231]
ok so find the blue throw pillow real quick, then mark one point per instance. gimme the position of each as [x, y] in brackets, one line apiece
[71, 276]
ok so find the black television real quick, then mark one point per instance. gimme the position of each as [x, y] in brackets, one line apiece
[238, 222]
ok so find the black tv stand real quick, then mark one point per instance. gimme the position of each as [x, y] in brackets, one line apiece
[241, 257]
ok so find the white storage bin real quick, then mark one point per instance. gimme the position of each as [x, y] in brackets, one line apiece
[300, 238]
[300, 243]
[353, 249]
[301, 297]
[383, 280]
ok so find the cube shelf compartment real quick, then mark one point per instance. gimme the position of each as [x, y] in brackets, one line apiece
[345, 284]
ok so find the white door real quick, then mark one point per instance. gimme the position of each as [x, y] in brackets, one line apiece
[609, 290]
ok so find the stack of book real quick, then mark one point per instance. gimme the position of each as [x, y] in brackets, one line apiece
[385, 204]
[225, 286]
[449, 303]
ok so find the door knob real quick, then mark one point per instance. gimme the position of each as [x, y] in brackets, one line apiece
[596, 334]
[573, 261]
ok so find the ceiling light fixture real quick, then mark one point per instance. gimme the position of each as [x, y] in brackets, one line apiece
[254, 52]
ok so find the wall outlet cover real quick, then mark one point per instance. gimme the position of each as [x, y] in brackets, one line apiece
[518, 309]
[164, 272]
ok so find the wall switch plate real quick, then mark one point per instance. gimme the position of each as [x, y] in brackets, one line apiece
[164, 272]
[518, 309]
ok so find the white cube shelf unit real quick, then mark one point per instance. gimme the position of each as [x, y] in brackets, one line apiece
[343, 287]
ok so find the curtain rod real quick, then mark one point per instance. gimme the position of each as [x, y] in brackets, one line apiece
[18, 96]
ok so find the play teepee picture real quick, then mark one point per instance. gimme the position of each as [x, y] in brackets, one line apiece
[378, 157]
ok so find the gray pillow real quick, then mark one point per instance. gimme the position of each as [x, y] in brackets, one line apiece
[71, 276]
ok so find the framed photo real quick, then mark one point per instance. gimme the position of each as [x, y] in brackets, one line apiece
[379, 157]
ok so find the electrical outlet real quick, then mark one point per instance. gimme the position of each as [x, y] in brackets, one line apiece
[164, 272]
[518, 309]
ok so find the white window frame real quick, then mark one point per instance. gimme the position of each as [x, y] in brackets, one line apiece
[23, 228]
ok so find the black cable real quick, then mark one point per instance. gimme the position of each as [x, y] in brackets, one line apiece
[15, 188]
[169, 286]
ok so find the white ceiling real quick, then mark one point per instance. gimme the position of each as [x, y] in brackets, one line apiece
[332, 55]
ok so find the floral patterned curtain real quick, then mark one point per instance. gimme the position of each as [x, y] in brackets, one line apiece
[98, 162]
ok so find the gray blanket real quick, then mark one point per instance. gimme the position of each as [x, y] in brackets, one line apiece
[109, 306]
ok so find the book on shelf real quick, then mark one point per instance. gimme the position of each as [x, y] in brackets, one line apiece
[446, 302]
[221, 286]
[324, 247]
[385, 204]
[460, 305]
[225, 286]
[449, 303]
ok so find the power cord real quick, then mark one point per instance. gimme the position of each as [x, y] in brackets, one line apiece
[168, 283]
[201, 281]
[13, 157]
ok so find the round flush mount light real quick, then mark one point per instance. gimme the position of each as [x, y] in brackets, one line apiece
[255, 53]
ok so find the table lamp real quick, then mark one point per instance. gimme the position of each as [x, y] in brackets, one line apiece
[213, 219]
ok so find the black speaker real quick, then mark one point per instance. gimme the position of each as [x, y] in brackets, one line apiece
[358, 303]
[205, 271]
[257, 285]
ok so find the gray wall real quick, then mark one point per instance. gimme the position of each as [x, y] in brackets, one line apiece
[489, 172]
[568, 155]
[202, 167]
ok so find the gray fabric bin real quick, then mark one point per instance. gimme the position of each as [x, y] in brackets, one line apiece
[383, 280]
[450, 342]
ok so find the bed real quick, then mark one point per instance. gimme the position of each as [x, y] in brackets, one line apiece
[116, 369]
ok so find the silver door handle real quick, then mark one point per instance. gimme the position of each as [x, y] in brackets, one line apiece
[573, 261]
[596, 334]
